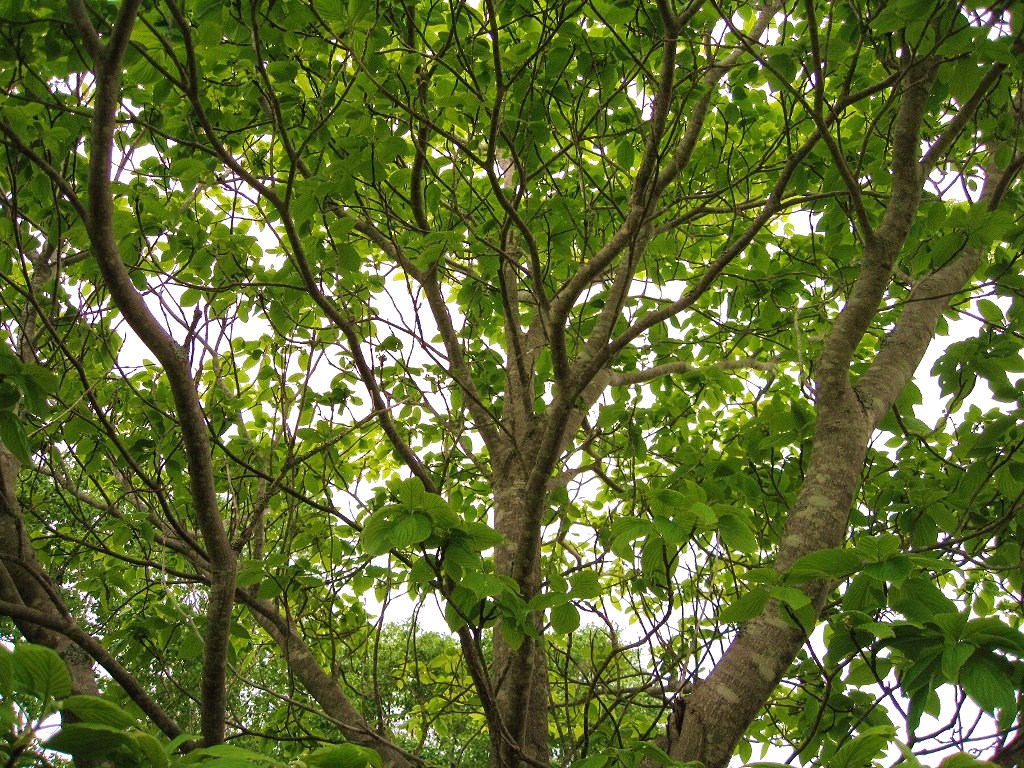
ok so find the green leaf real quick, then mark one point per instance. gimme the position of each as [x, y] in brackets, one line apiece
[746, 606]
[343, 756]
[991, 312]
[6, 674]
[481, 535]
[93, 709]
[653, 752]
[859, 752]
[824, 564]
[704, 516]
[909, 758]
[483, 584]
[953, 658]
[891, 571]
[40, 672]
[376, 534]
[736, 533]
[12, 435]
[585, 585]
[512, 634]
[10, 395]
[988, 680]
[283, 71]
[964, 760]
[625, 154]
[409, 529]
[920, 600]
[545, 600]
[992, 633]
[874, 549]
[92, 741]
[230, 754]
[150, 750]
[880, 629]
[565, 618]
[791, 596]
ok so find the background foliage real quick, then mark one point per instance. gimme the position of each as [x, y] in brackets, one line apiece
[596, 325]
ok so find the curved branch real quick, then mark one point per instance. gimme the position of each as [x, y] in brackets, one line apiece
[880, 252]
[107, 63]
[905, 346]
[40, 162]
[721, 708]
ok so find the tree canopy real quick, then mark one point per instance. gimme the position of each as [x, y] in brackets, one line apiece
[598, 324]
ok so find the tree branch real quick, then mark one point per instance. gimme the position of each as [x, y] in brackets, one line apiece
[679, 366]
[99, 222]
[880, 251]
[319, 684]
[895, 363]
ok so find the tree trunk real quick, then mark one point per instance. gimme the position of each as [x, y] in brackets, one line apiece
[519, 676]
[721, 708]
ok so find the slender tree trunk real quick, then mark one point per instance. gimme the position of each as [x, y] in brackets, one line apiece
[721, 708]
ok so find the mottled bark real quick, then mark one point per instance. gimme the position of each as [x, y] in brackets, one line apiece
[1010, 754]
[721, 708]
[519, 676]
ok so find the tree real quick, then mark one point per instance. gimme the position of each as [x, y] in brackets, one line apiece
[566, 316]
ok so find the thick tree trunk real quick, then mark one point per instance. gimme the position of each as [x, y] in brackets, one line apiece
[721, 708]
[519, 676]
